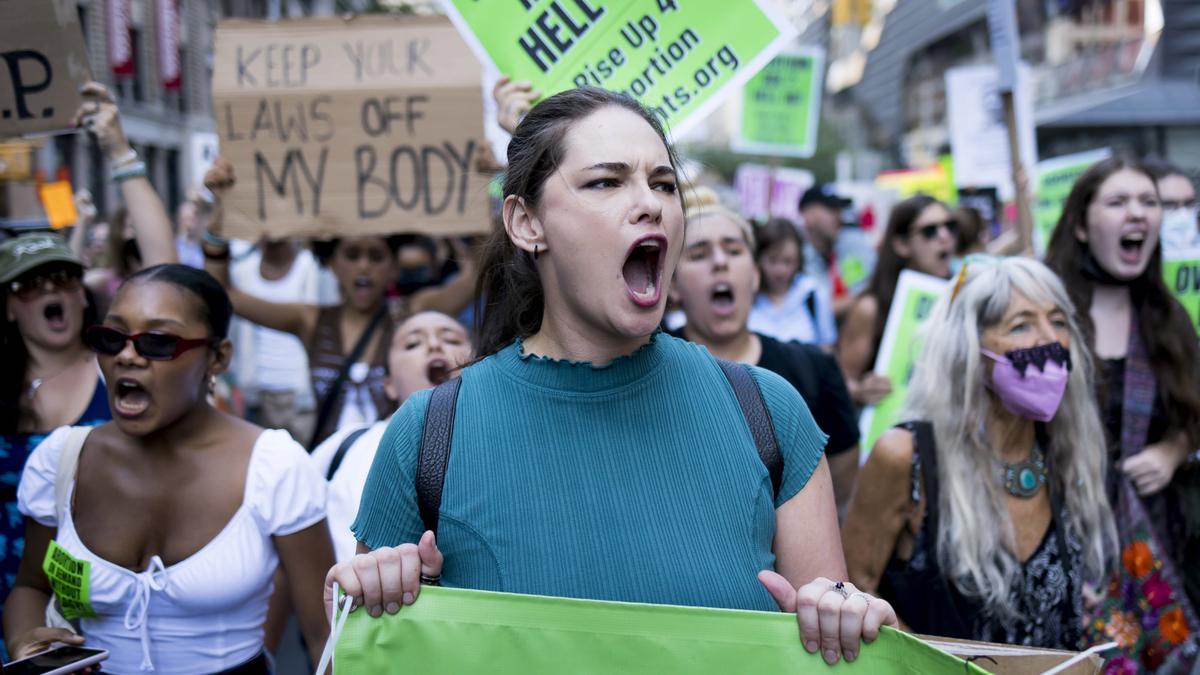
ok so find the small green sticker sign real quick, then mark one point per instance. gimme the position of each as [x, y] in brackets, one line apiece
[70, 578]
[916, 294]
[1181, 272]
[781, 106]
[678, 57]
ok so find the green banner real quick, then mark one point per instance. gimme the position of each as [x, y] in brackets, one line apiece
[1181, 272]
[915, 297]
[781, 106]
[1055, 178]
[456, 631]
[680, 57]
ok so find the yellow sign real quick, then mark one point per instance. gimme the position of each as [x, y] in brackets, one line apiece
[59, 202]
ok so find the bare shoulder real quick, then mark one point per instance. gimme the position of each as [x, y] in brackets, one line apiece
[892, 454]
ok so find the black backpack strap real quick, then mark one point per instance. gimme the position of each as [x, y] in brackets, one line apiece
[758, 418]
[435, 450]
[343, 448]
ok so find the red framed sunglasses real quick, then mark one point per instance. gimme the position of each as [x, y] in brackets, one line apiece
[156, 346]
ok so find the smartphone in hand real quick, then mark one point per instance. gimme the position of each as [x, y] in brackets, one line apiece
[56, 661]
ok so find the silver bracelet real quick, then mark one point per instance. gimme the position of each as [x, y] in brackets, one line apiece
[127, 158]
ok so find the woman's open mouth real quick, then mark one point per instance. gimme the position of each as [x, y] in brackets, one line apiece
[1131, 247]
[643, 270]
[55, 316]
[130, 398]
[438, 371]
[723, 299]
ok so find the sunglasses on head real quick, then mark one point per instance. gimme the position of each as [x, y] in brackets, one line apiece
[32, 287]
[156, 346]
[930, 232]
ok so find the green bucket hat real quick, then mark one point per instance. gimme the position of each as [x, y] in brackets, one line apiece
[22, 254]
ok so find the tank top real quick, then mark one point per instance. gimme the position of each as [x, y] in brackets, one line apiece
[326, 355]
[1047, 593]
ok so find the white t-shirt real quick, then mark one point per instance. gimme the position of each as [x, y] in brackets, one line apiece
[805, 315]
[205, 613]
[346, 487]
[278, 355]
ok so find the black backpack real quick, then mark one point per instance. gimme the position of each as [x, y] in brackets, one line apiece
[438, 432]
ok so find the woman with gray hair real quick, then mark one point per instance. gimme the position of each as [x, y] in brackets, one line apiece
[983, 518]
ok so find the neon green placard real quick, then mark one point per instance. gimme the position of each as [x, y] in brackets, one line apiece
[1181, 272]
[781, 105]
[456, 631]
[70, 578]
[680, 57]
[1055, 178]
[913, 302]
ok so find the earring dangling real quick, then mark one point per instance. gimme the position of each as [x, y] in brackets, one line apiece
[535, 251]
[212, 383]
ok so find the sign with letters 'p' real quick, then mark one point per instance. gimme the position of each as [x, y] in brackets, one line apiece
[678, 57]
[337, 127]
[44, 65]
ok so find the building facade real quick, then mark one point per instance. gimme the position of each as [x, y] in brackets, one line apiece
[1106, 73]
[168, 122]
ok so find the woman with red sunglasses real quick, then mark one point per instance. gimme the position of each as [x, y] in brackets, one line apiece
[920, 236]
[177, 515]
[48, 378]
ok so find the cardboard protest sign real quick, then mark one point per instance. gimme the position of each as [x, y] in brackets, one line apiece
[781, 105]
[912, 304]
[45, 64]
[1181, 272]
[1055, 178]
[453, 630]
[369, 125]
[681, 57]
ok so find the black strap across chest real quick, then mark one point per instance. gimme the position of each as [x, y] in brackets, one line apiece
[437, 436]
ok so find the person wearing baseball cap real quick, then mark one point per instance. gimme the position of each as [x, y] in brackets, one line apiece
[822, 208]
[48, 377]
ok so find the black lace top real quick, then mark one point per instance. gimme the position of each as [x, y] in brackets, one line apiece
[1047, 595]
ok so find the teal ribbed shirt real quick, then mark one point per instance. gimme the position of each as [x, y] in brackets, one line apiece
[637, 481]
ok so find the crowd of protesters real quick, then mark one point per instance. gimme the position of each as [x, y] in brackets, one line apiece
[224, 430]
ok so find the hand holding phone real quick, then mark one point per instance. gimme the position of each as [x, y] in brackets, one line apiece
[57, 661]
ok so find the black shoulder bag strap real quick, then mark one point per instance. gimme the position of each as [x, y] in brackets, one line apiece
[925, 443]
[343, 448]
[436, 437]
[758, 418]
[326, 406]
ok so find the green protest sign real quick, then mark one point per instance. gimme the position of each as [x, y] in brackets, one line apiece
[1055, 178]
[1181, 272]
[457, 631]
[781, 106]
[680, 57]
[912, 304]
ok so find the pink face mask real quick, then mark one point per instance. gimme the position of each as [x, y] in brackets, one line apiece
[1031, 382]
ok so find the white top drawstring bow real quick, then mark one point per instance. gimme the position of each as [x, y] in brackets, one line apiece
[154, 579]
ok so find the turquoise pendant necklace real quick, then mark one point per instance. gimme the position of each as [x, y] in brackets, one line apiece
[1023, 479]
